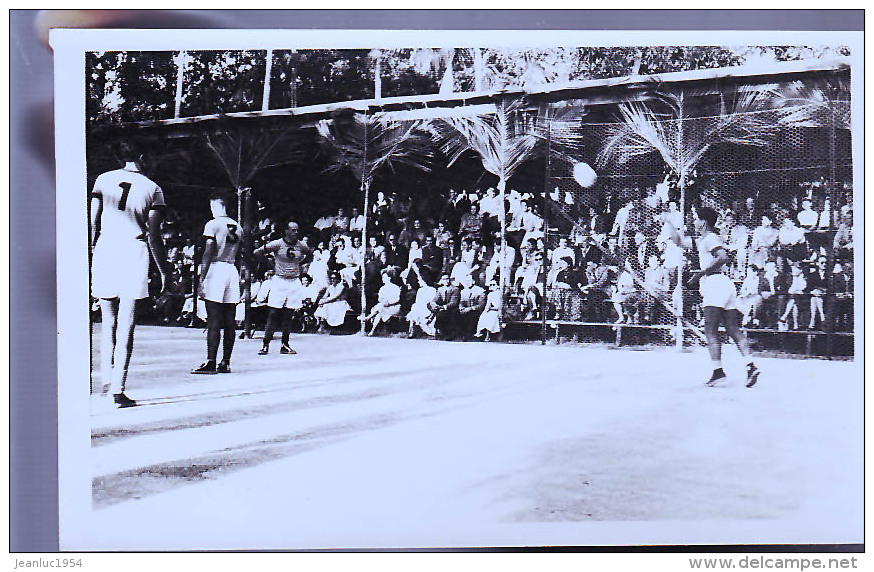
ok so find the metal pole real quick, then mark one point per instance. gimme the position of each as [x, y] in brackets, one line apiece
[181, 60]
[246, 221]
[265, 102]
[546, 263]
[365, 186]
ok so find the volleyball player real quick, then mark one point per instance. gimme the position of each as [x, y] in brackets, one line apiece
[289, 254]
[220, 285]
[127, 209]
[718, 292]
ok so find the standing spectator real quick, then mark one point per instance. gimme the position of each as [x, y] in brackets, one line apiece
[658, 280]
[747, 215]
[421, 315]
[442, 235]
[341, 222]
[795, 293]
[843, 242]
[472, 301]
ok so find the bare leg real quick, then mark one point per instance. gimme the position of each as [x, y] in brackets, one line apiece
[123, 350]
[712, 318]
[109, 313]
[730, 320]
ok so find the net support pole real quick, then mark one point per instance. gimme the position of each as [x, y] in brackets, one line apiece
[365, 191]
[246, 214]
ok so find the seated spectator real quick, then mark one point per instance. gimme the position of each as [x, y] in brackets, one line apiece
[528, 283]
[808, 219]
[332, 306]
[763, 240]
[597, 290]
[503, 254]
[468, 263]
[442, 235]
[351, 257]
[844, 284]
[817, 286]
[432, 260]
[843, 241]
[791, 239]
[356, 222]
[489, 321]
[445, 307]
[324, 226]
[625, 296]
[395, 254]
[388, 302]
[563, 250]
[341, 222]
[658, 281]
[526, 226]
[750, 295]
[472, 302]
[563, 285]
[304, 308]
[421, 316]
[471, 225]
[168, 306]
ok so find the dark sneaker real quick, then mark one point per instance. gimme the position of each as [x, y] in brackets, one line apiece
[263, 351]
[718, 375]
[752, 374]
[123, 400]
[207, 367]
[223, 367]
[286, 349]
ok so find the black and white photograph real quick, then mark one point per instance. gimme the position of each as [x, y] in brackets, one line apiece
[389, 290]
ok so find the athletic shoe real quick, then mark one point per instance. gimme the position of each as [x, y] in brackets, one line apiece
[263, 351]
[286, 349]
[718, 375]
[752, 374]
[207, 367]
[223, 367]
[123, 400]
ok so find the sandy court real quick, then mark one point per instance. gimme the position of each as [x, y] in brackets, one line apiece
[387, 442]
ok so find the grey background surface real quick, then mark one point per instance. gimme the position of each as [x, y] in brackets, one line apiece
[33, 342]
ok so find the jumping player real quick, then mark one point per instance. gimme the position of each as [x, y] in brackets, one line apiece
[127, 209]
[289, 254]
[220, 285]
[718, 293]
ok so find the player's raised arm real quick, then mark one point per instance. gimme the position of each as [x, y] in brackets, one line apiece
[677, 238]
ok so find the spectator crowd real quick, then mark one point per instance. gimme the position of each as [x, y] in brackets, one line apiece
[436, 265]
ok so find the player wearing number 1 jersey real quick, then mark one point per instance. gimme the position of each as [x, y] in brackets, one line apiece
[220, 285]
[126, 212]
[289, 255]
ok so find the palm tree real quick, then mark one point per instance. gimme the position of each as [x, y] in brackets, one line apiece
[683, 139]
[368, 144]
[504, 140]
[243, 151]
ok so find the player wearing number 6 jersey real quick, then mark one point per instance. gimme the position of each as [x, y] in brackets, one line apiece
[220, 284]
[126, 212]
[289, 255]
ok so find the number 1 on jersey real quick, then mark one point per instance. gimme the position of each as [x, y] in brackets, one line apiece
[125, 191]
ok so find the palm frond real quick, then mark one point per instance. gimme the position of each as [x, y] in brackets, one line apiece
[368, 144]
[814, 105]
[243, 151]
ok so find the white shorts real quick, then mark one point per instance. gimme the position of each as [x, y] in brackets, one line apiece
[283, 291]
[718, 291]
[120, 269]
[222, 283]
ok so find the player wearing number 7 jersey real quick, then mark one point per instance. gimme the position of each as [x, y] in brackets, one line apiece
[126, 211]
[220, 285]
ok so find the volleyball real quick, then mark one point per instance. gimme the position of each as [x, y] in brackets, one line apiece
[584, 175]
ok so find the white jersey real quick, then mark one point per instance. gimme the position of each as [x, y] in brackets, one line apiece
[706, 245]
[228, 237]
[127, 198]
